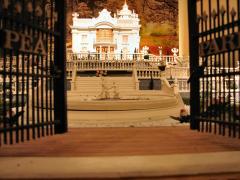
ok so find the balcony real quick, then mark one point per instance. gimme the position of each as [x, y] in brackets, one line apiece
[105, 41]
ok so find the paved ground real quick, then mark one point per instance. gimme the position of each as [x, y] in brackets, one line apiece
[121, 166]
[129, 153]
[85, 142]
[164, 150]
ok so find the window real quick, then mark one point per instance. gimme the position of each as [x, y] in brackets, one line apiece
[125, 38]
[84, 48]
[84, 38]
[125, 50]
[104, 35]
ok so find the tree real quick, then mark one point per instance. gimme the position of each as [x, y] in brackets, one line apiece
[83, 10]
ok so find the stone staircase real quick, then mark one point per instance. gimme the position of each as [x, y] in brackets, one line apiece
[87, 85]
[93, 86]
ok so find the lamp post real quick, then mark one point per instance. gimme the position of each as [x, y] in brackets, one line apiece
[174, 51]
[160, 52]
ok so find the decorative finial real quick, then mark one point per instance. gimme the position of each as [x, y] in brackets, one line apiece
[6, 4]
[125, 6]
[30, 7]
[18, 7]
[38, 11]
[75, 15]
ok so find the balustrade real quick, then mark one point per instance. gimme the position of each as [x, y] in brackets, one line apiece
[142, 74]
[177, 72]
[109, 61]
[103, 65]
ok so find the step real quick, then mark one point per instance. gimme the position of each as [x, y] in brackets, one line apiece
[100, 84]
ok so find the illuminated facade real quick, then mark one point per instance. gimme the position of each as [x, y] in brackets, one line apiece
[107, 34]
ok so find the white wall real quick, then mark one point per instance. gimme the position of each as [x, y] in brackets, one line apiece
[76, 37]
[86, 26]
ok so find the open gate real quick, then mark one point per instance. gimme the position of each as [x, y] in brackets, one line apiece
[32, 69]
[214, 28]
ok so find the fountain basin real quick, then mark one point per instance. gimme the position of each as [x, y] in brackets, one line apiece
[124, 104]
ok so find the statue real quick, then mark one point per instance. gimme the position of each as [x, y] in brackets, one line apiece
[115, 91]
[174, 51]
[104, 93]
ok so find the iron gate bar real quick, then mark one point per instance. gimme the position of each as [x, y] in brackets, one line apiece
[194, 88]
[234, 79]
[219, 28]
[208, 125]
[17, 96]
[229, 77]
[214, 75]
[51, 61]
[215, 71]
[31, 74]
[31, 24]
[238, 25]
[224, 79]
[60, 61]
[222, 112]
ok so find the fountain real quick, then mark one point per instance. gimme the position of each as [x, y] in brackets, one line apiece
[105, 91]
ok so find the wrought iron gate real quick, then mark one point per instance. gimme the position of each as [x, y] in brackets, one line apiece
[32, 69]
[214, 27]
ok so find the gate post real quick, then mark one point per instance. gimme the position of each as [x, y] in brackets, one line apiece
[194, 64]
[60, 96]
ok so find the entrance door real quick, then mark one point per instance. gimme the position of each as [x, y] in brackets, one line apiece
[105, 52]
[32, 76]
[214, 61]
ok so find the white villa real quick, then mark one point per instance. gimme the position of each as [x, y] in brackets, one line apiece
[107, 34]
[110, 46]
[108, 72]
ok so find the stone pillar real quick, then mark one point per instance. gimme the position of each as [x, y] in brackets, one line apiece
[109, 52]
[183, 28]
[100, 53]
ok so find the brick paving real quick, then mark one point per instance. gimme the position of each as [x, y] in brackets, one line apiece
[87, 142]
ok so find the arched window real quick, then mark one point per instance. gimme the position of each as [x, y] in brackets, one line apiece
[104, 35]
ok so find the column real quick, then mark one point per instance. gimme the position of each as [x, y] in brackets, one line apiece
[183, 28]
[100, 53]
[109, 52]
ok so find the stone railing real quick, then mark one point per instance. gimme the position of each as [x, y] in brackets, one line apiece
[135, 78]
[167, 59]
[70, 69]
[103, 56]
[128, 65]
[107, 61]
[177, 72]
[84, 65]
[146, 74]
[69, 65]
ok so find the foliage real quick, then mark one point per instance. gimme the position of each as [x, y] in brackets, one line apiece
[83, 10]
[156, 29]
[167, 43]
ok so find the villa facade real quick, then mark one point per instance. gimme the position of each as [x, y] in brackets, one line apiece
[106, 61]
[107, 34]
